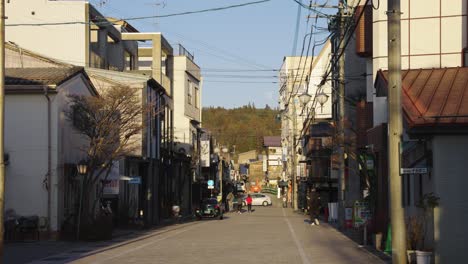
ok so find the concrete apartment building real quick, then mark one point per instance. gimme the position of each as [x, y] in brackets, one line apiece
[293, 76]
[187, 102]
[294, 82]
[187, 87]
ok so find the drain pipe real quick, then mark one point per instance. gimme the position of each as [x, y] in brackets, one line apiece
[49, 160]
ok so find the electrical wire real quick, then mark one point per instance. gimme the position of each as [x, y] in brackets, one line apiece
[210, 47]
[296, 31]
[103, 23]
[333, 63]
[293, 93]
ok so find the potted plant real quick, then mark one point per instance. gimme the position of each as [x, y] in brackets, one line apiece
[428, 202]
[414, 235]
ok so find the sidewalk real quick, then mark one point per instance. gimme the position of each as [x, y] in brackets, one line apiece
[353, 236]
[357, 238]
[48, 250]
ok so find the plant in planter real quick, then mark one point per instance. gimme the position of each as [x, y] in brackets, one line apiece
[428, 202]
[414, 236]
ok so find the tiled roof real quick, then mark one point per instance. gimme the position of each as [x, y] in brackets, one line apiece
[272, 141]
[39, 76]
[432, 97]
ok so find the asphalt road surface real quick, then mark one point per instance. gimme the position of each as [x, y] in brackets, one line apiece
[268, 235]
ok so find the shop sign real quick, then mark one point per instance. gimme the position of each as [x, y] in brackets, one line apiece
[361, 213]
[413, 170]
[111, 187]
[135, 180]
[369, 164]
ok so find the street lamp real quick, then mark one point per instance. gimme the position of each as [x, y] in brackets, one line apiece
[304, 98]
[322, 98]
[82, 168]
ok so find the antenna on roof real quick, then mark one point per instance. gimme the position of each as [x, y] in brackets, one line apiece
[156, 4]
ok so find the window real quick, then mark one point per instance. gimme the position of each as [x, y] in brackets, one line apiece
[197, 97]
[189, 93]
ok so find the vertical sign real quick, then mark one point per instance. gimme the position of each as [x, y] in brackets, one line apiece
[205, 153]
[111, 185]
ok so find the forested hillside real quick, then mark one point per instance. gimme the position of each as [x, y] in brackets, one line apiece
[243, 127]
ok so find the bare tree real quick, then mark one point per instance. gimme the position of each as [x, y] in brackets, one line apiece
[112, 124]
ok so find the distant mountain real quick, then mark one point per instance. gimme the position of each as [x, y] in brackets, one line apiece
[243, 127]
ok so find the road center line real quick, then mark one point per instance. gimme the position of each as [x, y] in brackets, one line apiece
[304, 258]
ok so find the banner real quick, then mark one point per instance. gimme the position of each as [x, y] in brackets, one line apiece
[111, 186]
[205, 153]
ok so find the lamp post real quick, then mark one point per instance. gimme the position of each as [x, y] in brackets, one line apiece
[217, 150]
[82, 169]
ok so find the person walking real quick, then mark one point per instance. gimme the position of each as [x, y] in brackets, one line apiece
[314, 207]
[239, 203]
[248, 200]
[230, 198]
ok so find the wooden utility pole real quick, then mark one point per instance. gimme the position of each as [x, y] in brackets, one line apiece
[2, 114]
[395, 128]
[341, 113]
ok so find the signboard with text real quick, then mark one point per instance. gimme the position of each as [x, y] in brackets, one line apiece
[413, 170]
[205, 153]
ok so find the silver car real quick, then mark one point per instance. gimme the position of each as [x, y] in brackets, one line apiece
[259, 199]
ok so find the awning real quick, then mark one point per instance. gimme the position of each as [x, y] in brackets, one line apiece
[432, 98]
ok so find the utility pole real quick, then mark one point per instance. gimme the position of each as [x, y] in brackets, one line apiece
[294, 158]
[341, 113]
[2, 118]
[395, 128]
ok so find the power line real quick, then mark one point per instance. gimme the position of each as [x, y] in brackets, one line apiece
[141, 18]
[296, 31]
[333, 63]
[235, 56]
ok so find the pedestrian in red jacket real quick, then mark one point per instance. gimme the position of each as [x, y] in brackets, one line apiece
[248, 200]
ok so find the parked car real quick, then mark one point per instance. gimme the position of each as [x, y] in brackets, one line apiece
[209, 208]
[259, 199]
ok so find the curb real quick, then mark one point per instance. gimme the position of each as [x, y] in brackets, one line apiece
[362, 247]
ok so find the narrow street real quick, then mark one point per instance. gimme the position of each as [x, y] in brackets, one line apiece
[268, 235]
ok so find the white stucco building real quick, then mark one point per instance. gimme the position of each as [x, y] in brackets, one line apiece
[39, 140]
[187, 103]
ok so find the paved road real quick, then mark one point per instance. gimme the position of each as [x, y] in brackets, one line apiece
[268, 235]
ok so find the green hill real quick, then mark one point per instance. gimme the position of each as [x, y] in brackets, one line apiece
[243, 127]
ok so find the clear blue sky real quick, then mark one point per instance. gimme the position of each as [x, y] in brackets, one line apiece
[249, 38]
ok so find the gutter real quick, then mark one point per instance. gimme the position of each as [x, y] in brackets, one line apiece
[49, 158]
